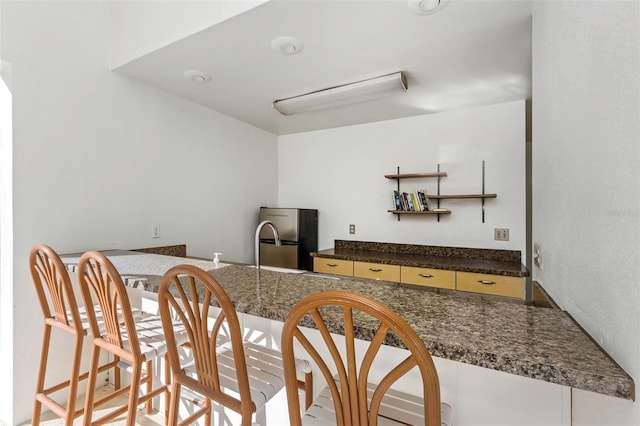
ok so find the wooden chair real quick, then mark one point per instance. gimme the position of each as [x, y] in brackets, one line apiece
[350, 398]
[134, 343]
[61, 312]
[222, 361]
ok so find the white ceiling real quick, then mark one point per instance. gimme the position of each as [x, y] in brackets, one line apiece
[470, 53]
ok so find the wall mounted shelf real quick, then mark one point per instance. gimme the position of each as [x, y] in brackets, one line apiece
[441, 211]
[445, 197]
[415, 175]
[438, 196]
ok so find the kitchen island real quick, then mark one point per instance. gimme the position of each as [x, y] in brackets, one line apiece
[538, 343]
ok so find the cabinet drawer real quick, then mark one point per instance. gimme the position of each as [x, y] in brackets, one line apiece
[498, 285]
[428, 277]
[376, 271]
[333, 266]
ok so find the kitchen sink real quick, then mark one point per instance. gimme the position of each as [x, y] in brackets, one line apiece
[279, 269]
[294, 271]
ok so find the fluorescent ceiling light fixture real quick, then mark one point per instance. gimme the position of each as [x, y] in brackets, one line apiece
[351, 93]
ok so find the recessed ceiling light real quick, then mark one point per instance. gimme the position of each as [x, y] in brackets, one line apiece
[425, 7]
[287, 45]
[197, 76]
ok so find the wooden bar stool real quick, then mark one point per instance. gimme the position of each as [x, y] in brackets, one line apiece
[134, 344]
[239, 375]
[61, 312]
[350, 399]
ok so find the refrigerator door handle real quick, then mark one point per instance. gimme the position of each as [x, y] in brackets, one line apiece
[282, 242]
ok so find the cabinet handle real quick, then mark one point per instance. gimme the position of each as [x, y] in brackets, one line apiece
[332, 265]
[426, 275]
[487, 282]
[375, 270]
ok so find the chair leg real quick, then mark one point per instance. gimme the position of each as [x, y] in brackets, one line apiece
[134, 392]
[207, 415]
[174, 407]
[91, 385]
[150, 374]
[167, 381]
[73, 384]
[116, 379]
[42, 372]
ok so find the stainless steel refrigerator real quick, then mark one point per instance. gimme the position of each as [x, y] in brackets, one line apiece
[298, 230]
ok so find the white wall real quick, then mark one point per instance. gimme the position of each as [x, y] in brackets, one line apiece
[99, 158]
[6, 229]
[586, 196]
[341, 173]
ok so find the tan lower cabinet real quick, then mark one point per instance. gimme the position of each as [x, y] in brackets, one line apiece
[333, 266]
[428, 277]
[376, 271]
[498, 285]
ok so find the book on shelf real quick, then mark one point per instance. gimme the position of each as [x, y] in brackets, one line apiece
[424, 200]
[405, 202]
[414, 201]
[420, 204]
[395, 198]
[409, 202]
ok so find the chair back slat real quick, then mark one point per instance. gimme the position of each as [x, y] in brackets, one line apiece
[53, 287]
[101, 283]
[343, 404]
[190, 292]
[195, 320]
[324, 369]
[351, 389]
[352, 404]
[127, 335]
[365, 367]
[398, 371]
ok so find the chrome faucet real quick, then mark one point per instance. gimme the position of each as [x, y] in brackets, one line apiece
[276, 236]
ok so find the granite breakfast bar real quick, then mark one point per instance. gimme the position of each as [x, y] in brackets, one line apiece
[536, 343]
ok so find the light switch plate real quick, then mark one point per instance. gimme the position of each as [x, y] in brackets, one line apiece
[501, 234]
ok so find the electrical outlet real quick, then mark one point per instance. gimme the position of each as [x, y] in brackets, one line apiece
[352, 228]
[155, 231]
[501, 234]
[537, 255]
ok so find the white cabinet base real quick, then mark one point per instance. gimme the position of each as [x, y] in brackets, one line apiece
[479, 396]
[594, 409]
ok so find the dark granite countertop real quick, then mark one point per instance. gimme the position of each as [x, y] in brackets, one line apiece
[539, 343]
[484, 261]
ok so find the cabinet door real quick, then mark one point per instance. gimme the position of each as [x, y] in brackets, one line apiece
[428, 277]
[376, 271]
[333, 266]
[498, 285]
